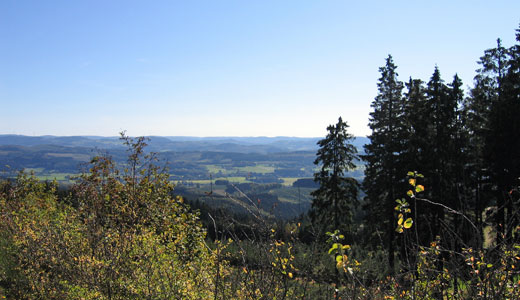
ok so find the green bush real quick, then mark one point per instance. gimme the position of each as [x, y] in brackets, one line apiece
[126, 237]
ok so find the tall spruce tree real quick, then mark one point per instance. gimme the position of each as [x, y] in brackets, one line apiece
[488, 92]
[502, 139]
[436, 169]
[418, 152]
[475, 119]
[435, 148]
[491, 121]
[418, 118]
[459, 160]
[333, 200]
[385, 169]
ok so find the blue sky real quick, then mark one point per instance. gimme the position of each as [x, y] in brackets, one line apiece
[226, 68]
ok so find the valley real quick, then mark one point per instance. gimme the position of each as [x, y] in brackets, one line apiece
[219, 172]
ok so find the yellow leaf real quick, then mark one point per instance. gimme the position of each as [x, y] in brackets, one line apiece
[419, 188]
[290, 275]
[408, 223]
[412, 181]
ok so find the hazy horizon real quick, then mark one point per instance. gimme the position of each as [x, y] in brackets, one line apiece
[173, 136]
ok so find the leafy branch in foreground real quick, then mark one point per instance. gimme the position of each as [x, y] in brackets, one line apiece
[441, 273]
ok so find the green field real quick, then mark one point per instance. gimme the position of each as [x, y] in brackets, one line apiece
[214, 169]
[56, 176]
[258, 168]
[261, 169]
[41, 174]
[288, 181]
[35, 170]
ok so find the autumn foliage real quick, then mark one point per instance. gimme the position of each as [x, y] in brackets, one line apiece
[119, 235]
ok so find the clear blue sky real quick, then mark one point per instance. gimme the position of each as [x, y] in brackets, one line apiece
[225, 68]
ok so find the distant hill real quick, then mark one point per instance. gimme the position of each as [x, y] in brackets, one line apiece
[261, 145]
[188, 159]
[67, 141]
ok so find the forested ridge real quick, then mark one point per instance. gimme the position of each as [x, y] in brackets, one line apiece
[435, 217]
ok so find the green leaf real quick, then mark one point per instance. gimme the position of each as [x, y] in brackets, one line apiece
[410, 173]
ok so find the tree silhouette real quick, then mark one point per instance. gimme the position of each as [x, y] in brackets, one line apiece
[333, 200]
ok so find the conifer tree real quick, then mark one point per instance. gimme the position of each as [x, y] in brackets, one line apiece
[385, 170]
[418, 152]
[435, 145]
[417, 117]
[333, 200]
[475, 116]
[488, 91]
[436, 171]
[502, 139]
